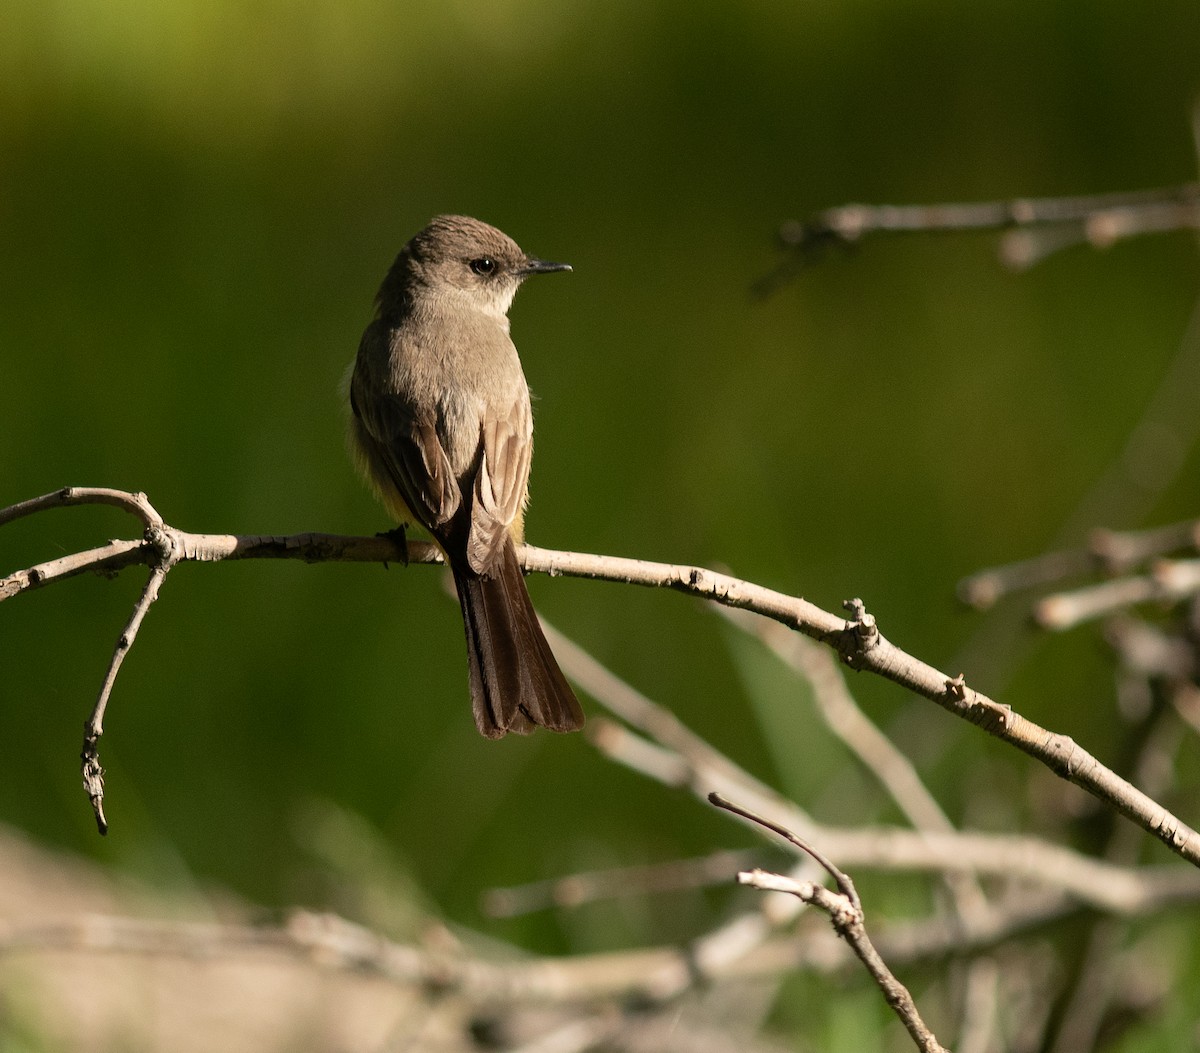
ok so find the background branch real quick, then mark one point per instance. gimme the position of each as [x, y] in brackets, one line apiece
[846, 913]
[1034, 227]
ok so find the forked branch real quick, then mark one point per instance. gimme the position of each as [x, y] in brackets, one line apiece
[845, 911]
[857, 640]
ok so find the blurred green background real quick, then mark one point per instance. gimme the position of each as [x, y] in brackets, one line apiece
[197, 203]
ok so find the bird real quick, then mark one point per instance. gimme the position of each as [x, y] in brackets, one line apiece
[441, 427]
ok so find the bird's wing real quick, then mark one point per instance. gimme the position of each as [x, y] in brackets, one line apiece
[500, 483]
[406, 450]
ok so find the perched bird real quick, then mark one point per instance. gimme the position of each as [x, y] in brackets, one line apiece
[442, 429]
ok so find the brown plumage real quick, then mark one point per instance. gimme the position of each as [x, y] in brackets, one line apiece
[441, 427]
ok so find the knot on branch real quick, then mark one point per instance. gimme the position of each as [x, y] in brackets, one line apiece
[167, 543]
[980, 710]
[93, 773]
[956, 688]
[860, 635]
[847, 918]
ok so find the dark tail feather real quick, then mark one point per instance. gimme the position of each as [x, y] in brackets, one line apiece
[515, 680]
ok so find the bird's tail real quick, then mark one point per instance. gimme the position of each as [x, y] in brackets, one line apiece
[516, 683]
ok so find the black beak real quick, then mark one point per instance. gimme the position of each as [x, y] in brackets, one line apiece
[536, 266]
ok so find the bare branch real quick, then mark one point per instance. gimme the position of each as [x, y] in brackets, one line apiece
[1110, 551]
[135, 504]
[855, 730]
[847, 919]
[857, 640]
[681, 757]
[845, 885]
[899, 778]
[331, 942]
[1168, 581]
[578, 889]
[93, 728]
[1146, 651]
[846, 913]
[1042, 225]
[108, 559]
[748, 943]
[980, 1003]
[640, 976]
[696, 765]
[213, 548]
[985, 588]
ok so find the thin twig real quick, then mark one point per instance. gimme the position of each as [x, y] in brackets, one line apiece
[985, 588]
[1110, 551]
[680, 756]
[1146, 651]
[93, 728]
[588, 887]
[1168, 581]
[846, 913]
[134, 503]
[845, 885]
[981, 998]
[877, 753]
[894, 772]
[1099, 884]
[1043, 225]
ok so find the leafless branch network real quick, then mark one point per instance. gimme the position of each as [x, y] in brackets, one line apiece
[857, 639]
[1039, 882]
[992, 889]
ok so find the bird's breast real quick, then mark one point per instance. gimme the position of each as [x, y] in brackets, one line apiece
[466, 371]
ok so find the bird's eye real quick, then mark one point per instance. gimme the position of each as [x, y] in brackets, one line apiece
[483, 265]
